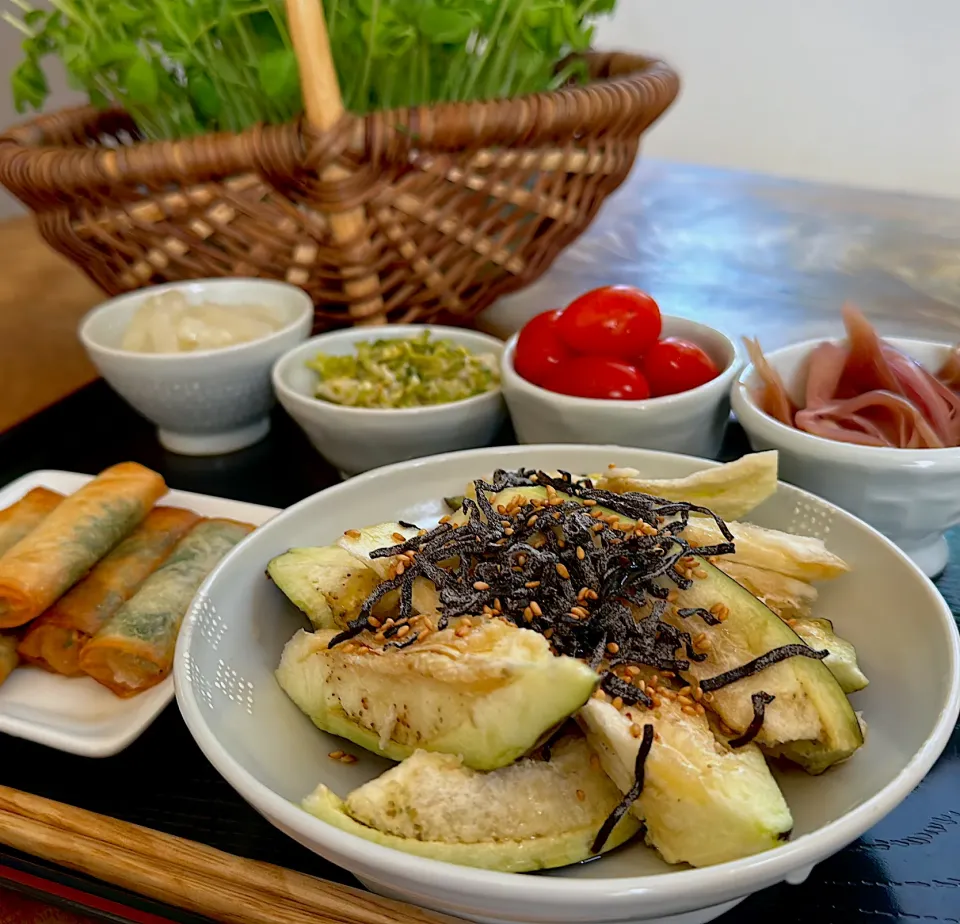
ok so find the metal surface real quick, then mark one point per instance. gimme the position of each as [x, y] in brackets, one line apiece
[763, 256]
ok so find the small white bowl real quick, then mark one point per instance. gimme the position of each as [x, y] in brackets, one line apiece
[691, 423]
[911, 495]
[210, 401]
[355, 440]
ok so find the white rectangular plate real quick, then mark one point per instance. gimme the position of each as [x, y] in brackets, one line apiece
[77, 714]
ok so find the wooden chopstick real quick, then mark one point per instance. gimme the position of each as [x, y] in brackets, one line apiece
[186, 874]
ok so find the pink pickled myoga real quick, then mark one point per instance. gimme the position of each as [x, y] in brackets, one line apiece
[866, 392]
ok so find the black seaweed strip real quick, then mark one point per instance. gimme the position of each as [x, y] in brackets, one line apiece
[760, 702]
[642, 753]
[762, 663]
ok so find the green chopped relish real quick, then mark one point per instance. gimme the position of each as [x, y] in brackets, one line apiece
[412, 372]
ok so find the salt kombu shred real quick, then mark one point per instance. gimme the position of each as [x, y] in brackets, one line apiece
[759, 664]
[631, 796]
[760, 702]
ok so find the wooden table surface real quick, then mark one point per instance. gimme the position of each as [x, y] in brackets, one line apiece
[42, 297]
[707, 243]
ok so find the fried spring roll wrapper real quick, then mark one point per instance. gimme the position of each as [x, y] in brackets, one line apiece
[54, 640]
[47, 562]
[26, 515]
[9, 658]
[134, 650]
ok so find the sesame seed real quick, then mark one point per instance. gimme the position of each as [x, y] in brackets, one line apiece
[548, 634]
[462, 631]
[592, 595]
[501, 509]
[688, 710]
[508, 531]
[598, 514]
[400, 568]
[402, 631]
[497, 605]
[613, 647]
[481, 585]
[684, 700]
[446, 518]
[697, 694]
[352, 533]
[635, 730]
[557, 515]
[699, 573]
[579, 612]
[598, 527]
[612, 465]
[562, 571]
[656, 702]
[531, 584]
[399, 537]
[335, 755]
[532, 520]
[373, 622]
[699, 709]
[521, 559]
[684, 691]
[594, 761]
[535, 607]
[599, 694]
[580, 553]
[617, 703]
[581, 795]
[527, 614]
[348, 759]
[589, 503]
[640, 684]
[672, 597]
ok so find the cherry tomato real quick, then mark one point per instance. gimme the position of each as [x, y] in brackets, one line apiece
[539, 349]
[599, 377]
[674, 365]
[617, 321]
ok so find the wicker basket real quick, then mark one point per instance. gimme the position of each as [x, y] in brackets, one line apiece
[423, 214]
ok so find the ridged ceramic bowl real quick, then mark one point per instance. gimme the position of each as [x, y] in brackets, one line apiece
[273, 756]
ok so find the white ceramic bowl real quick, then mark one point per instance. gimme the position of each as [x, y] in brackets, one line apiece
[911, 496]
[356, 440]
[691, 423]
[210, 401]
[272, 754]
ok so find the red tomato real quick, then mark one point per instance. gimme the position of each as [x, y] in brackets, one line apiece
[674, 365]
[539, 349]
[617, 321]
[598, 377]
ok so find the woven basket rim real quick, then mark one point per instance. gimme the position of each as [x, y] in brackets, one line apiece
[523, 121]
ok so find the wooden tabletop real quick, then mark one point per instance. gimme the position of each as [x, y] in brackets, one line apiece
[707, 243]
[42, 297]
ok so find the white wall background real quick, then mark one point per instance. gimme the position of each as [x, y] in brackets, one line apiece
[859, 92]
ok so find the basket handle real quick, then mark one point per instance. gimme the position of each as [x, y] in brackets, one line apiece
[323, 104]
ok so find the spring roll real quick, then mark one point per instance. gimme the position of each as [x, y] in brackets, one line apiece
[9, 658]
[134, 650]
[47, 562]
[26, 515]
[54, 640]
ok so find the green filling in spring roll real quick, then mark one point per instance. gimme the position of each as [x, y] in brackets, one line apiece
[134, 650]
